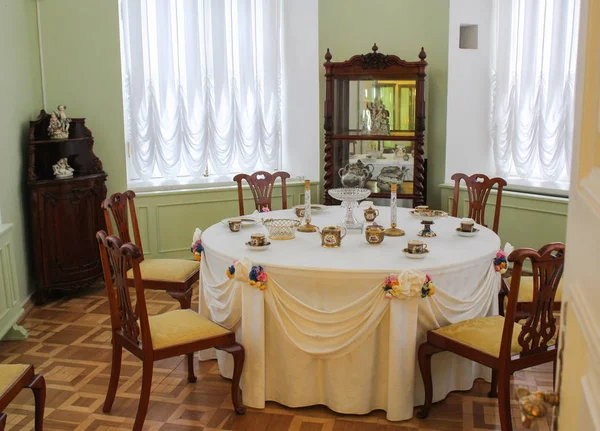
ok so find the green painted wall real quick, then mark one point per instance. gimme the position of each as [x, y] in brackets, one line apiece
[400, 27]
[526, 220]
[21, 90]
[82, 63]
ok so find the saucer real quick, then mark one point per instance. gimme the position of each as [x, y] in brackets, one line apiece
[415, 255]
[462, 233]
[313, 207]
[246, 220]
[258, 247]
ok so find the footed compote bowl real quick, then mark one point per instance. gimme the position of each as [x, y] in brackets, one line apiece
[350, 197]
[427, 218]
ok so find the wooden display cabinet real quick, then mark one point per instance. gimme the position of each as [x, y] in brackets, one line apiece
[356, 92]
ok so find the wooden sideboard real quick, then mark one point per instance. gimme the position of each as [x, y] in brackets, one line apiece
[65, 213]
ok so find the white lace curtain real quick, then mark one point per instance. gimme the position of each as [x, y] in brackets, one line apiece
[202, 85]
[534, 56]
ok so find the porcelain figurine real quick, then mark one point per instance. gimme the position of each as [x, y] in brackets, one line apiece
[62, 169]
[59, 124]
[389, 175]
[356, 174]
[375, 119]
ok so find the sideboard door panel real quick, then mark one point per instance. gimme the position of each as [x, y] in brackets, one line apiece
[72, 219]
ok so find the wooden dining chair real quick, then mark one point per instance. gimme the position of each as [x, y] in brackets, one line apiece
[175, 276]
[13, 379]
[152, 338]
[527, 291]
[261, 184]
[499, 342]
[479, 187]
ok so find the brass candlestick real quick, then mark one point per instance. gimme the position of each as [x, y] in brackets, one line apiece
[307, 227]
[393, 231]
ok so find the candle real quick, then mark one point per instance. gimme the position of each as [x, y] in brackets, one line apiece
[307, 215]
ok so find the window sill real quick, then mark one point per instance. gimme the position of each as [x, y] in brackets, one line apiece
[525, 192]
[212, 182]
[534, 188]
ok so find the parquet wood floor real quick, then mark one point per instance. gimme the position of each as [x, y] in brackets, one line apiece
[69, 344]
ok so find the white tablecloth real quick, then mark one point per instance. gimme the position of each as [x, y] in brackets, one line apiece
[322, 331]
[388, 160]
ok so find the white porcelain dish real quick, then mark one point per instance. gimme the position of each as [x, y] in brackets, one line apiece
[415, 255]
[258, 247]
[463, 233]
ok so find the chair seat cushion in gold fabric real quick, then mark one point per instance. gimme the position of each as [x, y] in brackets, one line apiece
[180, 327]
[9, 374]
[482, 333]
[174, 270]
[526, 289]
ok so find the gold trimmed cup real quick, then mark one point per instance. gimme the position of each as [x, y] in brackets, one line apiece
[235, 225]
[300, 211]
[374, 234]
[467, 224]
[416, 246]
[257, 240]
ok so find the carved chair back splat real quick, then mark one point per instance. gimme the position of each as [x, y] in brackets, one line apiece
[261, 184]
[479, 187]
[540, 327]
[117, 204]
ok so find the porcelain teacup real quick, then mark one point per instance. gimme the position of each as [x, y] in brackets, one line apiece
[467, 224]
[416, 247]
[300, 211]
[257, 240]
[235, 225]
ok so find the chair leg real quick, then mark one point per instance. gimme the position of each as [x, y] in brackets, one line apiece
[239, 354]
[190, 366]
[115, 373]
[504, 401]
[426, 351]
[493, 393]
[2, 421]
[144, 395]
[184, 298]
[554, 372]
[38, 386]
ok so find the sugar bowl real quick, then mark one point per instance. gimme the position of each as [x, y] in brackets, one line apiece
[374, 234]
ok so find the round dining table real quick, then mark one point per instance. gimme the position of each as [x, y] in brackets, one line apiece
[321, 329]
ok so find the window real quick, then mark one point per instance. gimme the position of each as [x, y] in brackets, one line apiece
[201, 87]
[534, 58]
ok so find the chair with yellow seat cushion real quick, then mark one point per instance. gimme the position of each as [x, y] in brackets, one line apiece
[526, 293]
[175, 276]
[14, 378]
[499, 342]
[152, 338]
